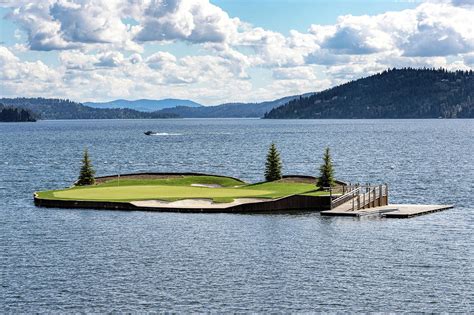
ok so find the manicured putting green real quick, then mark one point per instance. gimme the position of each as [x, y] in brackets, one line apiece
[156, 192]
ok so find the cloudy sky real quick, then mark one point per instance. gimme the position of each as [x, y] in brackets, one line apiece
[215, 51]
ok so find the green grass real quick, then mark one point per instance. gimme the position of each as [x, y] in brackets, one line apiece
[177, 181]
[281, 189]
[179, 188]
[316, 193]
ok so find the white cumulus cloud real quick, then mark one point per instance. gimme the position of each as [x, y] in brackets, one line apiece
[102, 48]
[192, 20]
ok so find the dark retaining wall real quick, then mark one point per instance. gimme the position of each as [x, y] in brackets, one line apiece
[290, 203]
[295, 202]
[82, 204]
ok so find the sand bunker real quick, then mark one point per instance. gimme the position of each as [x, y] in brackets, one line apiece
[207, 185]
[194, 203]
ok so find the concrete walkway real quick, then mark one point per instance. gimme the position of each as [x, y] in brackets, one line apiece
[390, 211]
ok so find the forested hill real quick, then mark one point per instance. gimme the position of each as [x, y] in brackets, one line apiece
[397, 93]
[229, 110]
[14, 114]
[47, 108]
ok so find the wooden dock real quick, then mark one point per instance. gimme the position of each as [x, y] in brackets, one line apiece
[397, 211]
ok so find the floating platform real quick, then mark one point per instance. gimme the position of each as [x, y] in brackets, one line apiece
[396, 211]
[192, 192]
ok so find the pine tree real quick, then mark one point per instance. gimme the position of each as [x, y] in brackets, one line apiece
[326, 177]
[273, 164]
[86, 175]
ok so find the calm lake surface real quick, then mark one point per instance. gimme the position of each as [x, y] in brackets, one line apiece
[60, 260]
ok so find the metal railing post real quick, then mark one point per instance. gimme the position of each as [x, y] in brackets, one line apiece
[370, 193]
[353, 201]
[381, 194]
[375, 197]
[374, 189]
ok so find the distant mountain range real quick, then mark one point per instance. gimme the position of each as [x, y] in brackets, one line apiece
[65, 109]
[402, 93]
[396, 93]
[144, 105]
[49, 108]
[229, 110]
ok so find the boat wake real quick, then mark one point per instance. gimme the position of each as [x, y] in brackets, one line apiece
[165, 134]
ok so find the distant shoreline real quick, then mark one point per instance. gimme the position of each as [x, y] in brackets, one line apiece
[240, 118]
[11, 114]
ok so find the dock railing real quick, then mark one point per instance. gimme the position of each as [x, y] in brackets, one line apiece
[346, 192]
[362, 196]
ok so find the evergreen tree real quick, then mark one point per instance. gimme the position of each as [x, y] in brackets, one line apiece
[86, 175]
[273, 164]
[326, 177]
[395, 93]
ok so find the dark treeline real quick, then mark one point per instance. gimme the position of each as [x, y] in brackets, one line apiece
[395, 93]
[47, 108]
[14, 114]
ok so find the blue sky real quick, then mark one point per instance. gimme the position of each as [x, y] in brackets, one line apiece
[221, 50]
[282, 16]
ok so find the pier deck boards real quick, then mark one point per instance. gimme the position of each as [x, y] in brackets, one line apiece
[398, 211]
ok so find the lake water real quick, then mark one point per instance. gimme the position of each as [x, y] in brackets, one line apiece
[61, 260]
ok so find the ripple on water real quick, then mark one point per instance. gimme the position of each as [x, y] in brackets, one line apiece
[104, 261]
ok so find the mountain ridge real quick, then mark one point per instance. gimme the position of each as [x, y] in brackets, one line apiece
[393, 93]
[144, 105]
[230, 110]
[47, 108]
